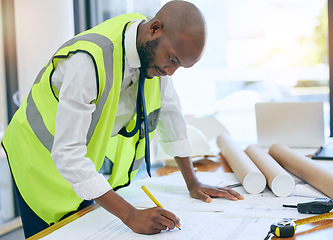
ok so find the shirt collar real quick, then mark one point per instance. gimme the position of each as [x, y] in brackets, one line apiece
[131, 52]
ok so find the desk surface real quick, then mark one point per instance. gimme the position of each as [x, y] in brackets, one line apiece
[319, 230]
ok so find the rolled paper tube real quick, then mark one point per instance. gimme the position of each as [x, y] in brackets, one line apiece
[248, 174]
[279, 181]
[303, 167]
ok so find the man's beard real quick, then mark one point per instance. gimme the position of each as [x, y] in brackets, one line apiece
[146, 53]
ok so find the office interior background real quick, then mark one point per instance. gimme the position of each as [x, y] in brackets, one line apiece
[257, 51]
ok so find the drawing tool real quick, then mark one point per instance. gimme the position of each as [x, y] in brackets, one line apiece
[154, 199]
[234, 185]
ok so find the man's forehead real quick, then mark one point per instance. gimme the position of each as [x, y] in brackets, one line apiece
[187, 51]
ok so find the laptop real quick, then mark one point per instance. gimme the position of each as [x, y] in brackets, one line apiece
[295, 124]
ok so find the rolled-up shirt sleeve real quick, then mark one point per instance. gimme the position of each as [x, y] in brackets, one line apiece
[76, 80]
[171, 125]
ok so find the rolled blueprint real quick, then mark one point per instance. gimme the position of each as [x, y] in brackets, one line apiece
[248, 174]
[279, 181]
[303, 167]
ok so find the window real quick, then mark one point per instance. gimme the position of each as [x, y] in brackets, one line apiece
[258, 50]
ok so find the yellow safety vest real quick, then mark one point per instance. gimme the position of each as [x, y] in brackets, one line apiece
[29, 138]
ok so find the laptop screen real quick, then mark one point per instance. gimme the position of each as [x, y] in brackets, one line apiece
[295, 124]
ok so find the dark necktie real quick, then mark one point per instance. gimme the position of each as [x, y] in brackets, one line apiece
[141, 115]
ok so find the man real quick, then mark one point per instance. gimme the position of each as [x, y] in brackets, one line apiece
[91, 90]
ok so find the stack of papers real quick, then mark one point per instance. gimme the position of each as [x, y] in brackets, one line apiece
[222, 218]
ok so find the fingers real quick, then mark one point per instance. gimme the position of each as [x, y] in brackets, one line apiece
[205, 193]
[152, 220]
[225, 193]
[172, 219]
[232, 192]
[163, 219]
[202, 196]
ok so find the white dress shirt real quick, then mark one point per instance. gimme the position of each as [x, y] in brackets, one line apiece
[74, 83]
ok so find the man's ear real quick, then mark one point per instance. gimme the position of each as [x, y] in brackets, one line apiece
[155, 27]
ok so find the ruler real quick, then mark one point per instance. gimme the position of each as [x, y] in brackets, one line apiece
[314, 218]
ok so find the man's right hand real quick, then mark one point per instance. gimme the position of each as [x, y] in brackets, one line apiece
[152, 220]
[146, 221]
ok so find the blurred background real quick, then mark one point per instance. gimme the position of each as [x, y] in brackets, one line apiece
[257, 51]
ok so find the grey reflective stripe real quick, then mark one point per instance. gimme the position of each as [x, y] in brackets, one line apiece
[153, 119]
[104, 43]
[98, 111]
[107, 47]
[40, 74]
[152, 122]
[33, 115]
[137, 163]
[35, 119]
[37, 124]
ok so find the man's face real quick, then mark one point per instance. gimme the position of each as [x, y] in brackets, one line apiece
[146, 53]
[161, 56]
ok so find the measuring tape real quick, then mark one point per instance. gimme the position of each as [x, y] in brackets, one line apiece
[313, 219]
[287, 227]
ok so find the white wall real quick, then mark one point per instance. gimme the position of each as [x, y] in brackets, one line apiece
[3, 104]
[41, 27]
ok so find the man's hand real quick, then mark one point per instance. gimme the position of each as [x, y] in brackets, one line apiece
[147, 221]
[206, 192]
[199, 190]
[152, 220]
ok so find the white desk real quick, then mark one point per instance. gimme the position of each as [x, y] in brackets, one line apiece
[223, 223]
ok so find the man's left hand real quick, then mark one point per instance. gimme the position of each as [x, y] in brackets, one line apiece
[206, 192]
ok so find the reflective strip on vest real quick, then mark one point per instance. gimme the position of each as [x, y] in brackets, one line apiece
[152, 120]
[152, 123]
[137, 163]
[35, 118]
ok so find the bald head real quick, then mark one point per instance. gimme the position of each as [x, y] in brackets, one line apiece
[182, 20]
[181, 17]
[175, 37]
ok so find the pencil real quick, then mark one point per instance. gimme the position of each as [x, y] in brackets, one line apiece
[154, 199]
[234, 185]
